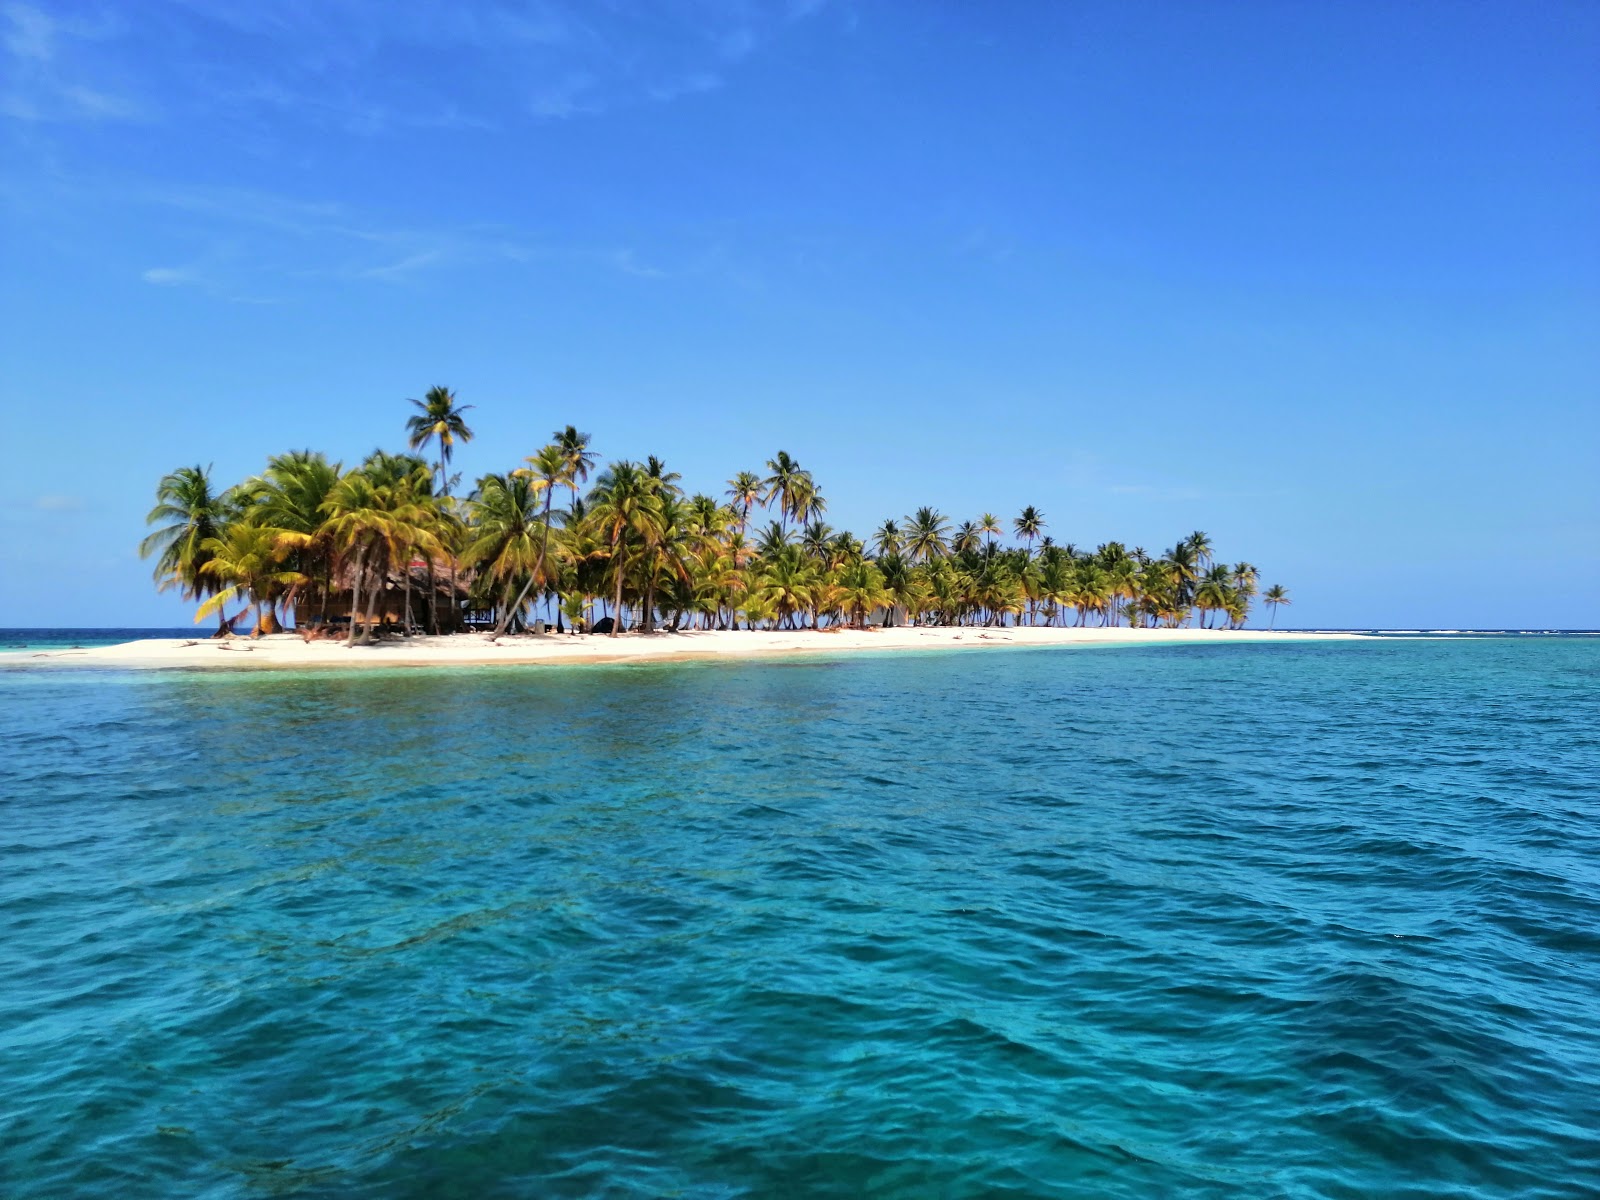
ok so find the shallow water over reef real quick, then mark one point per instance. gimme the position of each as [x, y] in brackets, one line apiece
[1284, 920]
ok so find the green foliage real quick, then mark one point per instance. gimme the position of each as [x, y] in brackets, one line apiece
[305, 530]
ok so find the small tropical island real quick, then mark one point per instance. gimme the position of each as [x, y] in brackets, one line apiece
[391, 553]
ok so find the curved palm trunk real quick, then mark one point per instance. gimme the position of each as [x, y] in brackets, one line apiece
[372, 607]
[538, 570]
[616, 608]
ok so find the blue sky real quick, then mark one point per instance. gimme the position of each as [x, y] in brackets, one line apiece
[1321, 280]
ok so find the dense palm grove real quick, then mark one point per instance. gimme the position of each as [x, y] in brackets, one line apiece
[630, 544]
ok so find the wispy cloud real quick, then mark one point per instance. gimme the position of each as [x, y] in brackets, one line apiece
[255, 247]
[30, 34]
[694, 84]
[44, 79]
[349, 65]
[983, 243]
[404, 268]
[59, 503]
[171, 276]
[569, 96]
[628, 263]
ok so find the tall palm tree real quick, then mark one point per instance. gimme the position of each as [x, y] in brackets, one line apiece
[580, 459]
[550, 468]
[508, 537]
[289, 495]
[744, 491]
[989, 526]
[817, 540]
[625, 504]
[192, 514]
[887, 539]
[439, 419]
[926, 531]
[786, 483]
[665, 481]
[967, 538]
[357, 522]
[1275, 595]
[1214, 594]
[1028, 525]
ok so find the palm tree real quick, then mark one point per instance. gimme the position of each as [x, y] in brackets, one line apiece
[248, 560]
[1029, 525]
[508, 538]
[788, 583]
[744, 490]
[787, 482]
[817, 540]
[289, 495]
[1214, 594]
[1275, 595]
[194, 515]
[580, 460]
[356, 522]
[989, 526]
[967, 538]
[438, 419]
[625, 504]
[547, 470]
[887, 539]
[771, 540]
[925, 533]
[665, 480]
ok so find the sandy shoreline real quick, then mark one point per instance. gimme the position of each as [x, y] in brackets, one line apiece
[462, 650]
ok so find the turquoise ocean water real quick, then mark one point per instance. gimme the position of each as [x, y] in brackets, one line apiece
[1291, 920]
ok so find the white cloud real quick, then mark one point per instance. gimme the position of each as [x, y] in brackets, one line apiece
[687, 85]
[628, 263]
[31, 34]
[170, 276]
[396, 271]
[59, 503]
[564, 97]
[40, 86]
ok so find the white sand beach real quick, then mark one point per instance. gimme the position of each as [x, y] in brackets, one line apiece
[469, 649]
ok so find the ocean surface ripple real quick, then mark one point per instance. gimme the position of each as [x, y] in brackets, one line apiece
[1296, 920]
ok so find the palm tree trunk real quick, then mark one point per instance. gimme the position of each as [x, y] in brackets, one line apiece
[616, 616]
[433, 598]
[407, 617]
[355, 596]
[372, 607]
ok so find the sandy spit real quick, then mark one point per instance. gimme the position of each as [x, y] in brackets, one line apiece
[471, 649]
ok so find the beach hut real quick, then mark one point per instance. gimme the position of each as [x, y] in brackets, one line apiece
[411, 597]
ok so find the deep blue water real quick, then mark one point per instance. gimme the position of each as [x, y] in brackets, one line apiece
[1286, 920]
